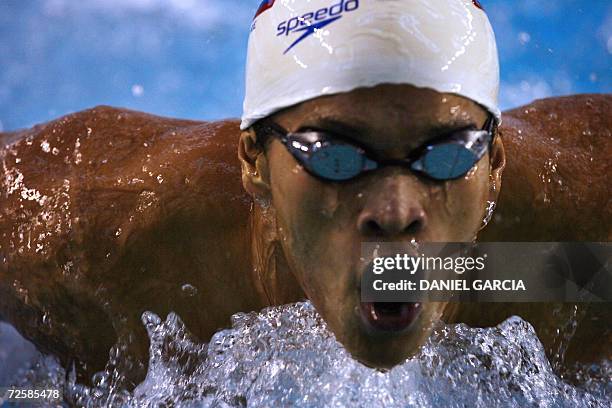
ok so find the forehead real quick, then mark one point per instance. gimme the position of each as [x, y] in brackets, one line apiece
[386, 107]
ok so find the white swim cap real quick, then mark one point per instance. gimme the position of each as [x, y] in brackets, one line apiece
[303, 49]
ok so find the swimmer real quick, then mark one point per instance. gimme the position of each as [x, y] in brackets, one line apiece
[107, 213]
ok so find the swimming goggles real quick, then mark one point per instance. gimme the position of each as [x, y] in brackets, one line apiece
[332, 159]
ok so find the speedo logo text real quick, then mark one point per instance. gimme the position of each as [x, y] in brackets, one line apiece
[307, 23]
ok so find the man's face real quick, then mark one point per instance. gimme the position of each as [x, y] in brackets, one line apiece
[321, 224]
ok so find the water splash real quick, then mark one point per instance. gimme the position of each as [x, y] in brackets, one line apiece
[285, 356]
[549, 176]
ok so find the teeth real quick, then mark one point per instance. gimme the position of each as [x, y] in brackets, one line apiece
[398, 320]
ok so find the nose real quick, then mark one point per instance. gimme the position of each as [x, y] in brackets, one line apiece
[393, 209]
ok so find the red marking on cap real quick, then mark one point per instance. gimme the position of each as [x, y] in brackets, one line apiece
[265, 4]
[477, 4]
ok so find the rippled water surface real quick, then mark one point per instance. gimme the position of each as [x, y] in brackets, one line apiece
[285, 356]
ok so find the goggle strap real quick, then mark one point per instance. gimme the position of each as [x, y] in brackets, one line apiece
[369, 164]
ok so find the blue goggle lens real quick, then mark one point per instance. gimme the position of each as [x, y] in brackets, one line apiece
[447, 161]
[344, 162]
[338, 163]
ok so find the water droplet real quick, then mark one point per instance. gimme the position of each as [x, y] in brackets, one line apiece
[44, 145]
[471, 172]
[150, 319]
[46, 320]
[137, 90]
[189, 290]
[488, 213]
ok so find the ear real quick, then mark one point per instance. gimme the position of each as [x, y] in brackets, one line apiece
[254, 165]
[498, 164]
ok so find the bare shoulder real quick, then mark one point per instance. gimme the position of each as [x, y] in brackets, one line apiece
[95, 209]
[556, 183]
[87, 169]
[556, 188]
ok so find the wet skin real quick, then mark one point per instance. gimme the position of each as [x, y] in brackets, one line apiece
[152, 204]
[318, 220]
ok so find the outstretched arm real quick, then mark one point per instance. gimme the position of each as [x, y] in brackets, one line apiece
[556, 187]
[106, 213]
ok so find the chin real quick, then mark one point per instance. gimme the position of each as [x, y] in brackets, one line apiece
[384, 353]
[382, 342]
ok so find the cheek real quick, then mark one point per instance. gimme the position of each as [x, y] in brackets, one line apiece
[467, 202]
[308, 217]
[300, 200]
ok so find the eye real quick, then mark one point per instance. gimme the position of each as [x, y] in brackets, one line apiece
[337, 162]
[447, 161]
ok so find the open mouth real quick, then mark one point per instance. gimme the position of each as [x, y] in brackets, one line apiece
[389, 316]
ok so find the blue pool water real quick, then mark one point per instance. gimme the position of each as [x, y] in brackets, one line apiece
[185, 58]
